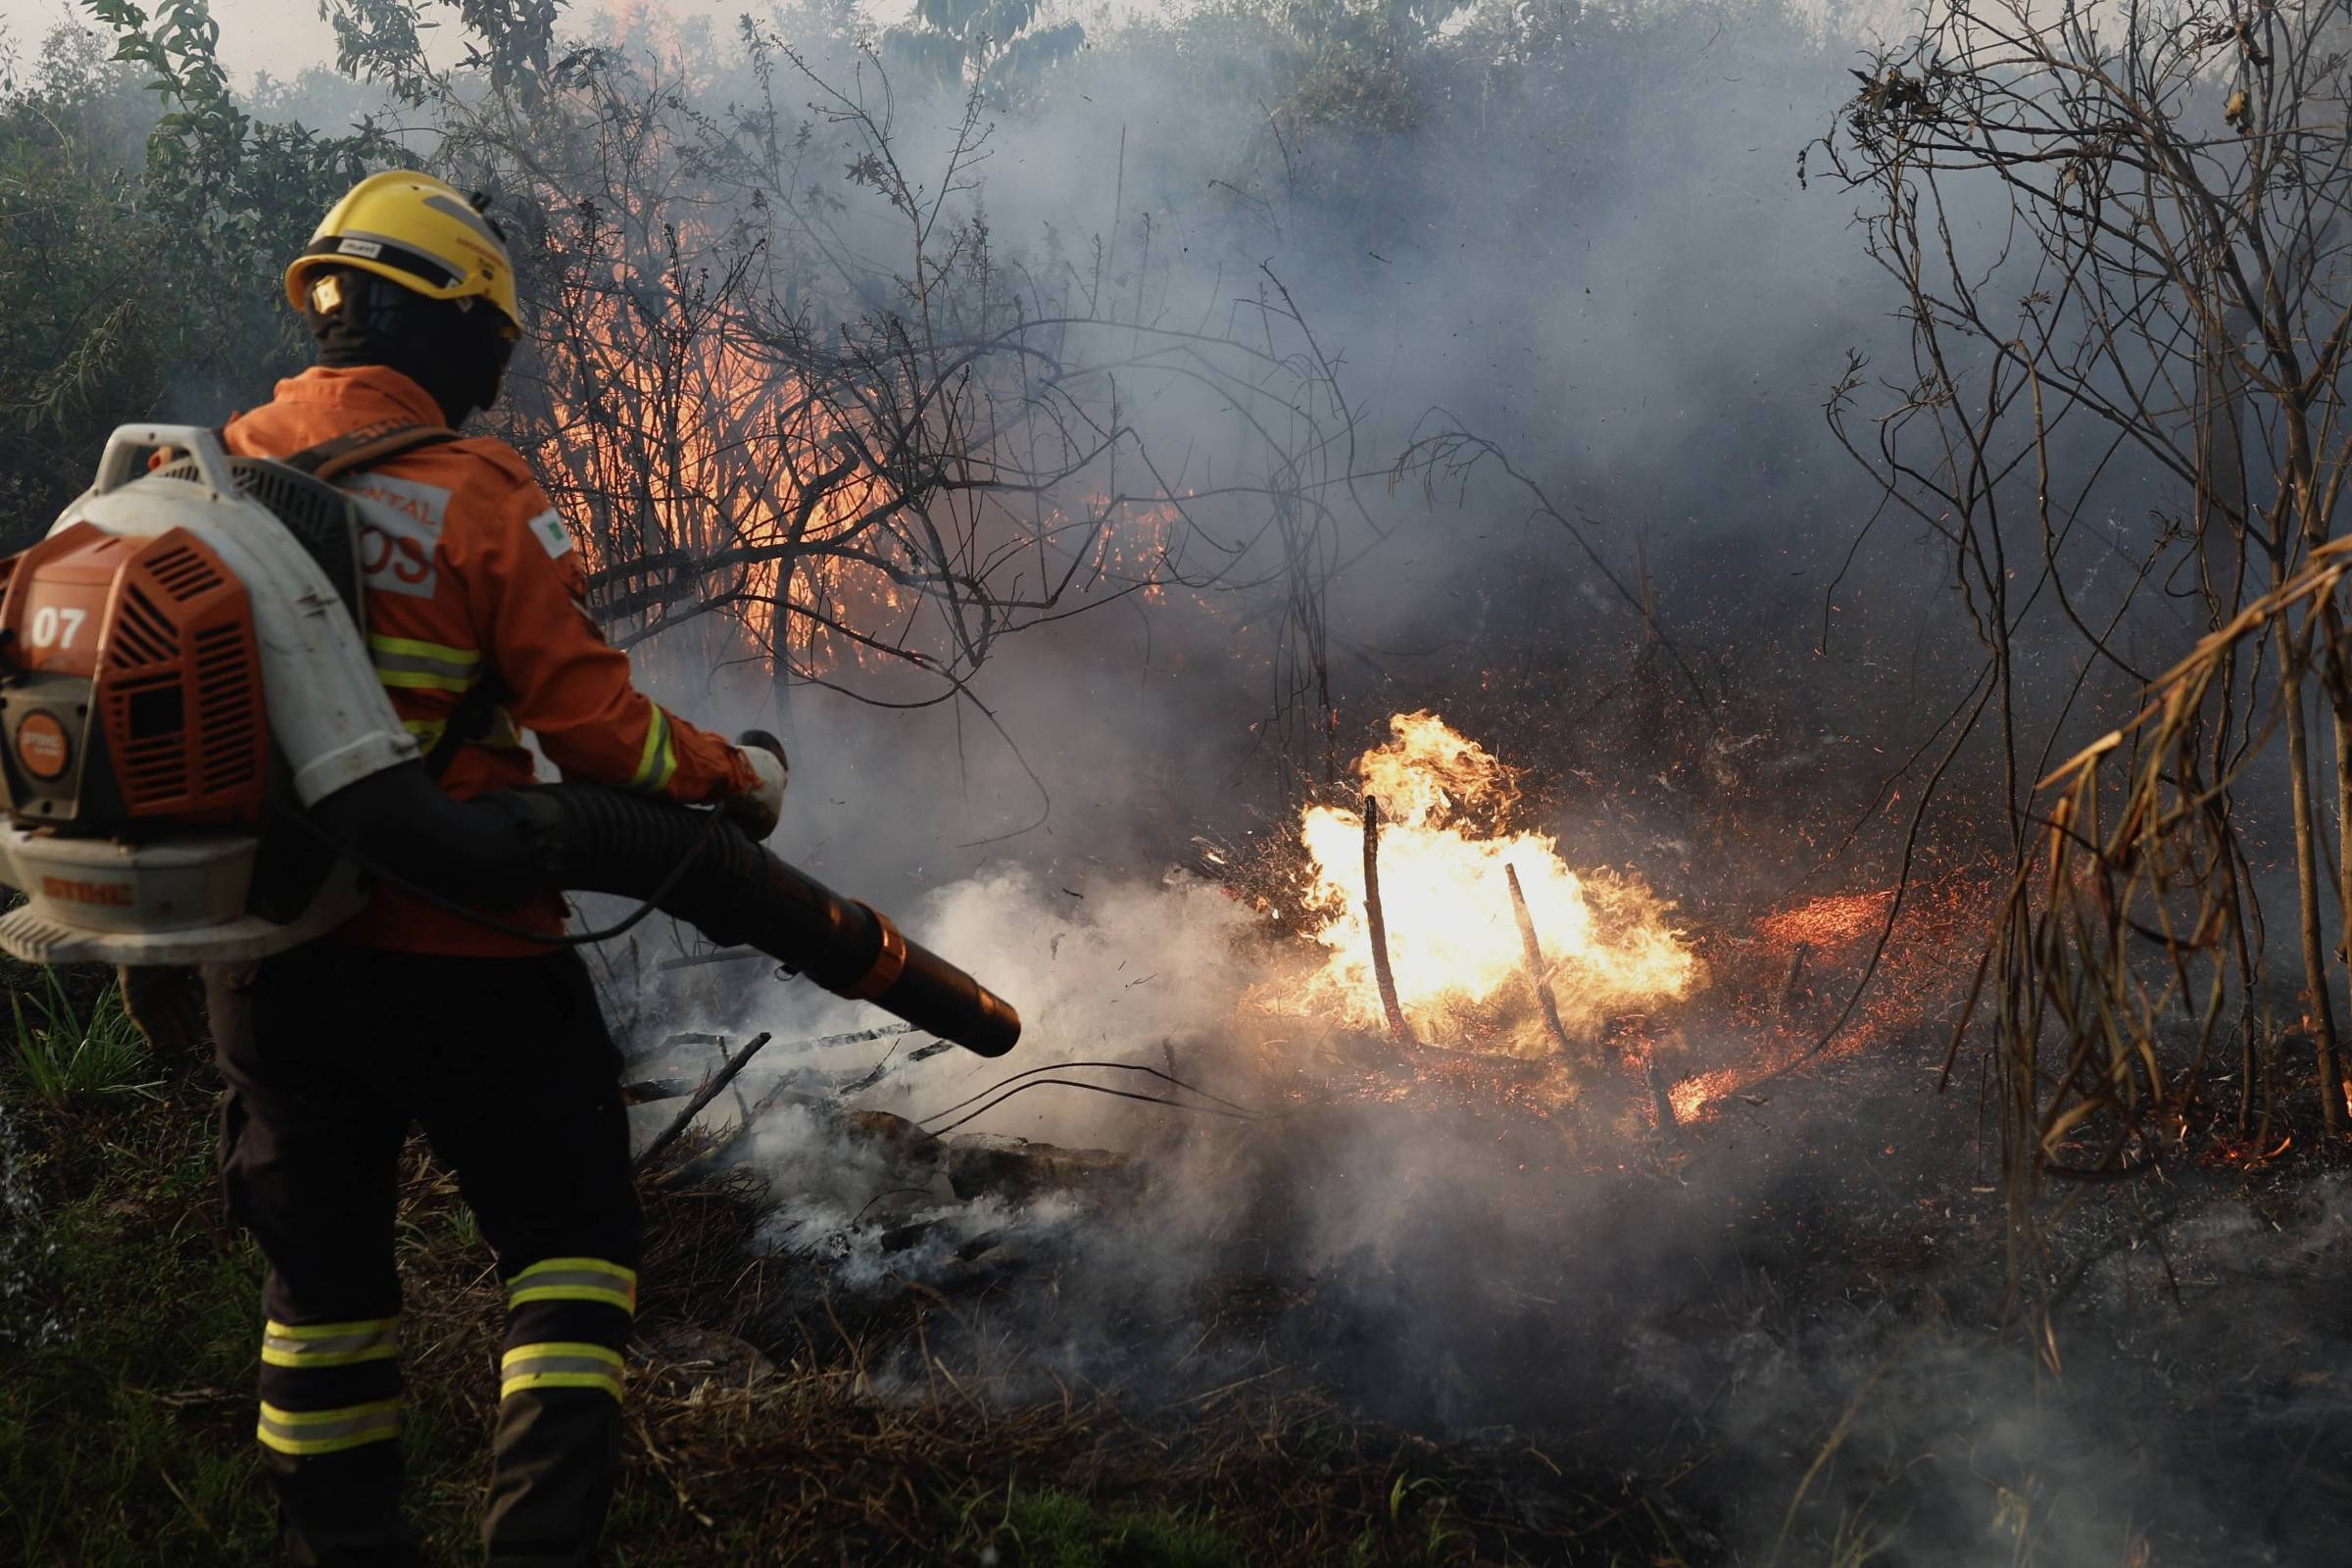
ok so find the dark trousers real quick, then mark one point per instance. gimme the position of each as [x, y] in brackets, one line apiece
[331, 1053]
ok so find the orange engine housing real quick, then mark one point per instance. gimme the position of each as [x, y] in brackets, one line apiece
[133, 686]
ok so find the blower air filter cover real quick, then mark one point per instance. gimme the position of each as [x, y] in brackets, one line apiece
[167, 900]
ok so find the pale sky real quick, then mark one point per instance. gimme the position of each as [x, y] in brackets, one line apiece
[283, 36]
[279, 36]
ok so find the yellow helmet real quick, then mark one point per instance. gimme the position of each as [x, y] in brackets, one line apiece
[421, 233]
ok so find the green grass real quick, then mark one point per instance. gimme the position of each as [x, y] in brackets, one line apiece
[128, 1359]
[130, 1339]
[60, 1055]
[129, 1381]
[1049, 1526]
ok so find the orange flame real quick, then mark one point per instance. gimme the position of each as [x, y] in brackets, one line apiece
[1453, 939]
[675, 435]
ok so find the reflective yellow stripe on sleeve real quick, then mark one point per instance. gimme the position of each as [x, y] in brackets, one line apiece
[304, 1432]
[303, 1346]
[574, 1279]
[560, 1364]
[660, 761]
[409, 665]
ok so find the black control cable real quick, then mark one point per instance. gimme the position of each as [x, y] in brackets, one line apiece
[1004, 1089]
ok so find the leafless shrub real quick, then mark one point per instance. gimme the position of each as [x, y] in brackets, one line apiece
[2157, 308]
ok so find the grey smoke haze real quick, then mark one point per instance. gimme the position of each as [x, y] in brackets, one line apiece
[1640, 305]
[1644, 309]
[1633, 296]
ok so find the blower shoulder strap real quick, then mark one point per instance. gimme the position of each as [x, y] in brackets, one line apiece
[467, 722]
[365, 447]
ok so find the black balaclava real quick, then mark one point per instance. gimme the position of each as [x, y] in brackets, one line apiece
[457, 350]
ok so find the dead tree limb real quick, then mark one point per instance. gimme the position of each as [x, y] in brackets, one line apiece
[1535, 959]
[702, 1097]
[1660, 1095]
[1378, 924]
[1796, 975]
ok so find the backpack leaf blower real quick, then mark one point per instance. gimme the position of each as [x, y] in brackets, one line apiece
[201, 764]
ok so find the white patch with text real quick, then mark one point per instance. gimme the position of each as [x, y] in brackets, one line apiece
[400, 533]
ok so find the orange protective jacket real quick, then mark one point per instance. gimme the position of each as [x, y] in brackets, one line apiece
[471, 576]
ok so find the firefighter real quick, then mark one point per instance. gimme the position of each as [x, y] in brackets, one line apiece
[488, 1037]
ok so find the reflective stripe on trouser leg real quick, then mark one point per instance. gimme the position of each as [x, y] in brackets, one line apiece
[304, 1346]
[567, 1320]
[574, 1279]
[329, 1387]
[560, 1364]
[558, 1444]
[306, 1432]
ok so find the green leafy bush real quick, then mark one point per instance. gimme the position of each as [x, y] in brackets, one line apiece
[144, 219]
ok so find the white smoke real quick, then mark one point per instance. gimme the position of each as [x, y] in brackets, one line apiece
[1120, 971]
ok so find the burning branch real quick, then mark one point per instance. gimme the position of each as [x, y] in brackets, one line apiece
[1536, 975]
[1378, 924]
[1444, 964]
[820, 425]
[1661, 1094]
